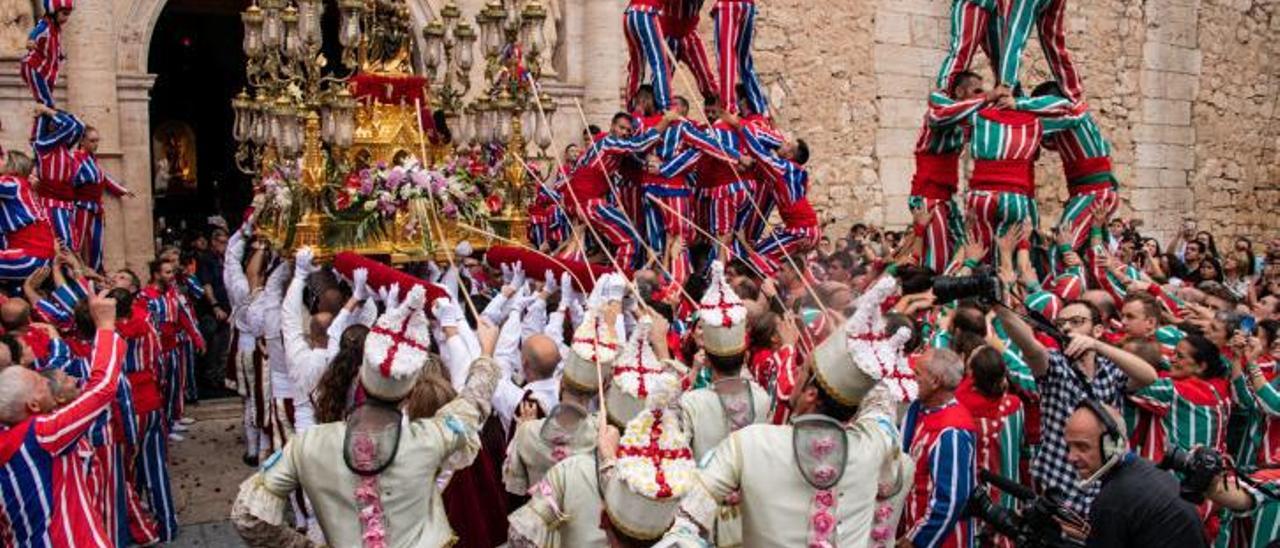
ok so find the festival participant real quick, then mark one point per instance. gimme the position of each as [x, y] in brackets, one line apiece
[735, 27]
[999, 419]
[1006, 141]
[57, 160]
[177, 328]
[90, 183]
[1258, 372]
[680, 26]
[244, 281]
[723, 188]
[842, 441]
[588, 189]
[641, 24]
[28, 242]
[937, 176]
[41, 64]
[46, 501]
[548, 224]
[1049, 17]
[365, 475]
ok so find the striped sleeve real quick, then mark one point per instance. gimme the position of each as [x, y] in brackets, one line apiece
[680, 163]
[944, 111]
[193, 285]
[59, 430]
[70, 294]
[791, 174]
[113, 186]
[1242, 396]
[60, 130]
[9, 187]
[51, 312]
[1269, 399]
[1156, 397]
[951, 470]
[715, 143]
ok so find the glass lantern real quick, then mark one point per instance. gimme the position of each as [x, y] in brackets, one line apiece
[349, 26]
[548, 109]
[532, 17]
[309, 14]
[344, 118]
[272, 25]
[528, 123]
[241, 105]
[292, 34]
[433, 34]
[450, 14]
[251, 18]
[466, 36]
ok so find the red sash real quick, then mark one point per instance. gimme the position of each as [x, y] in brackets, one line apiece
[36, 239]
[1088, 175]
[1016, 176]
[146, 392]
[937, 175]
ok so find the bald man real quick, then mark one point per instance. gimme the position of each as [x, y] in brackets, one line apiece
[1139, 504]
[15, 315]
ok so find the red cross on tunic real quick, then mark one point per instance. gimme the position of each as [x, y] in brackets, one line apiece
[640, 369]
[397, 339]
[656, 454]
[596, 341]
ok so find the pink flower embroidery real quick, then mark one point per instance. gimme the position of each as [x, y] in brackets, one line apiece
[885, 511]
[880, 533]
[373, 524]
[559, 453]
[823, 524]
[819, 544]
[883, 490]
[824, 473]
[733, 498]
[824, 499]
[821, 447]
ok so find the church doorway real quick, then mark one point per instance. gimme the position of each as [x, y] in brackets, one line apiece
[196, 56]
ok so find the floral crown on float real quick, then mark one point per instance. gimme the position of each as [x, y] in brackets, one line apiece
[397, 348]
[638, 375]
[655, 469]
[723, 316]
[850, 362]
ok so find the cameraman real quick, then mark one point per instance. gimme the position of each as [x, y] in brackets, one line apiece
[1138, 504]
[1086, 369]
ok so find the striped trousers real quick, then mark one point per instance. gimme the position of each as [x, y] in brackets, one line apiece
[134, 522]
[735, 23]
[18, 264]
[944, 233]
[995, 213]
[689, 49]
[723, 209]
[665, 225]
[1079, 212]
[752, 221]
[784, 244]
[550, 230]
[611, 226]
[40, 86]
[88, 230]
[253, 384]
[62, 215]
[101, 481]
[1049, 17]
[151, 470]
[971, 27]
[644, 44]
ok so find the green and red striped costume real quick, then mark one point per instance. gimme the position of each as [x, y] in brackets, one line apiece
[1267, 437]
[1004, 145]
[1000, 424]
[1266, 512]
[1191, 411]
[1016, 19]
[937, 177]
[1086, 164]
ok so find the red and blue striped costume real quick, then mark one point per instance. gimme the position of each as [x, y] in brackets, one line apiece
[789, 182]
[57, 160]
[761, 127]
[1004, 145]
[41, 64]
[937, 177]
[973, 25]
[90, 183]
[25, 232]
[589, 189]
[683, 145]
[1049, 17]
[941, 442]
[145, 467]
[680, 26]
[1086, 163]
[46, 497]
[735, 22]
[548, 224]
[723, 187]
[179, 341]
[641, 24]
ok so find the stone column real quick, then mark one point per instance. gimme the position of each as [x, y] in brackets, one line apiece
[129, 221]
[603, 62]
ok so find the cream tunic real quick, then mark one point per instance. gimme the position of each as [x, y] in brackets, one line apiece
[565, 508]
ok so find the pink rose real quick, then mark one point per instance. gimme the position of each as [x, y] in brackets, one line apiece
[821, 447]
[884, 512]
[824, 499]
[559, 453]
[822, 524]
[819, 544]
[883, 490]
[733, 498]
[824, 474]
[880, 533]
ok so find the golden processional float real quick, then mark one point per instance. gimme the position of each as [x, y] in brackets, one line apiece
[348, 157]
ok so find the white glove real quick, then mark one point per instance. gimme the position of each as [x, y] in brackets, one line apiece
[304, 261]
[615, 288]
[390, 295]
[549, 283]
[517, 274]
[447, 313]
[450, 282]
[360, 284]
[523, 298]
[433, 271]
[567, 293]
[506, 273]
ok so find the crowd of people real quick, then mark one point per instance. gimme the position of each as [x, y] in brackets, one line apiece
[659, 367]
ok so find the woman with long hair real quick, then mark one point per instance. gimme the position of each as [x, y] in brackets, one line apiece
[1237, 272]
[336, 394]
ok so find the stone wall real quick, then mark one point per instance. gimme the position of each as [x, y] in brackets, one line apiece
[1186, 90]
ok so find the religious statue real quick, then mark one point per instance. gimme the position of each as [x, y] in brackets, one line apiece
[174, 150]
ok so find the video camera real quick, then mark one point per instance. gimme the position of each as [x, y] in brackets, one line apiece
[1199, 467]
[984, 286]
[1035, 525]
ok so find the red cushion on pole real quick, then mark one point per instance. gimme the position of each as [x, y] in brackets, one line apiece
[537, 264]
[382, 275]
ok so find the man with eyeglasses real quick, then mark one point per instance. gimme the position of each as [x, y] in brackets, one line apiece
[1086, 368]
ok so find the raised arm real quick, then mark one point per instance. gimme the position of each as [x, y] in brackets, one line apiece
[944, 111]
[1034, 353]
[233, 276]
[58, 431]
